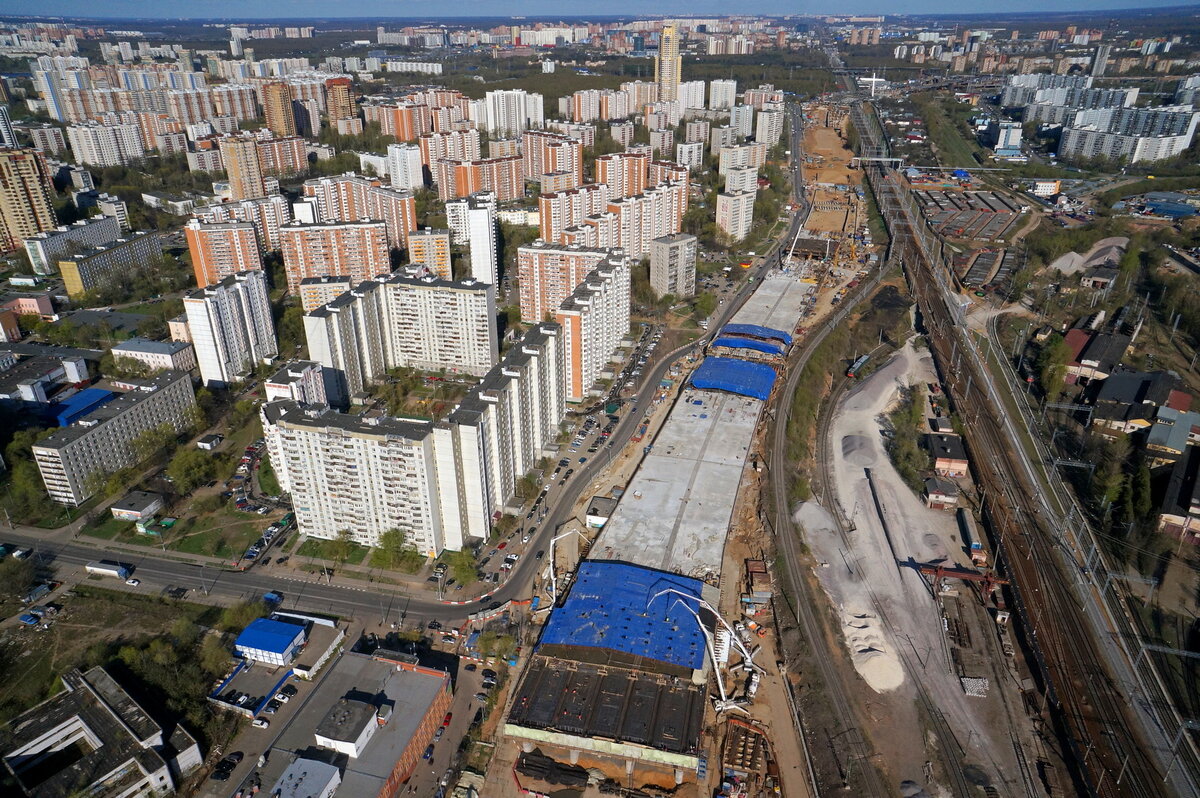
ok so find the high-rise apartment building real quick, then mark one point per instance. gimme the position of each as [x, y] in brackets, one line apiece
[267, 214]
[108, 263]
[690, 156]
[722, 94]
[339, 99]
[623, 172]
[511, 112]
[277, 108]
[668, 64]
[455, 145]
[768, 128]
[221, 249]
[690, 94]
[673, 265]
[547, 274]
[431, 249]
[249, 160]
[545, 153]
[735, 213]
[231, 327]
[696, 130]
[594, 319]
[350, 198]
[318, 291]
[8, 135]
[405, 169]
[75, 460]
[472, 221]
[45, 249]
[358, 250]
[752, 153]
[741, 119]
[409, 319]
[764, 97]
[501, 176]
[560, 210]
[106, 145]
[741, 178]
[639, 219]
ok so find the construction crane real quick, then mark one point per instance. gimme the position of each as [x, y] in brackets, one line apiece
[986, 582]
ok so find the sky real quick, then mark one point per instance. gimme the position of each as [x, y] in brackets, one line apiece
[267, 9]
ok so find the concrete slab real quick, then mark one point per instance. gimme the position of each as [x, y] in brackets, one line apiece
[675, 512]
[779, 301]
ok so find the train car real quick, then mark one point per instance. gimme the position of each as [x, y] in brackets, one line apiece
[857, 366]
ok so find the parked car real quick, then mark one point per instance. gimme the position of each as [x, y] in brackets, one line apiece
[261, 723]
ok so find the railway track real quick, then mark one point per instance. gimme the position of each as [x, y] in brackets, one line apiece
[1110, 758]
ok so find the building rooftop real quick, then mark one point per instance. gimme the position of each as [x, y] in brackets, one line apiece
[1137, 387]
[151, 347]
[79, 404]
[305, 778]
[411, 692]
[136, 501]
[675, 512]
[947, 446]
[615, 609]
[67, 435]
[630, 706]
[346, 719]
[268, 634]
[778, 303]
[291, 412]
[121, 733]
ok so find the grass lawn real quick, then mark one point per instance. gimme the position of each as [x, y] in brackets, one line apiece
[109, 528]
[32, 660]
[225, 533]
[322, 550]
[267, 479]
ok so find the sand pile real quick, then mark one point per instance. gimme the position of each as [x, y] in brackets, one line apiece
[870, 651]
[857, 450]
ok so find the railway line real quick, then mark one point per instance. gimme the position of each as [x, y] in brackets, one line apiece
[1089, 708]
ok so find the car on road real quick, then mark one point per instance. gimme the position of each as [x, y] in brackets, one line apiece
[437, 735]
[272, 707]
[133, 582]
[488, 673]
[282, 698]
[471, 666]
[434, 625]
[502, 545]
[446, 720]
[481, 697]
[261, 723]
[428, 753]
[539, 555]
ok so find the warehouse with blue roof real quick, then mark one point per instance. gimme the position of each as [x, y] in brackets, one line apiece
[613, 613]
[271, 641]
[741, 377]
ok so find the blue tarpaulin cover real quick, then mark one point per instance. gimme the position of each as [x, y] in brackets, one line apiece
[611, 605]
[756, 331]
[738, 342]
[736, 376]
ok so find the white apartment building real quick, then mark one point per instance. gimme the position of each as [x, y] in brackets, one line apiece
[472, 221]
[752, 153]
[404, 167]
[362, 475]
[74, 460]
[691, 94]
[722, 94]
[157, 355]
[46, 249]
[594, 319]
[231, 327]
[735, 213]
[1135, 134]
[513, 111]
[662, 141]
[721, 137]
[690, 155]
[106, 145]
[302, 381]
[741, 119]
[741, 178]
[673, 265]
[441, 483]
[407, 319]
[768, 128]
[514, 414]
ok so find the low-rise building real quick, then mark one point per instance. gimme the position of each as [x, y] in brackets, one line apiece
[100, 740]
[157, 355]
[45, 249]
[108, 263]
[949, 455]
[270, 640]
[136, 505]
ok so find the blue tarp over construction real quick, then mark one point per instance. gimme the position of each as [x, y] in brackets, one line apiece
[612, 606]
[738, 342]
[736, 376]
[756, 331]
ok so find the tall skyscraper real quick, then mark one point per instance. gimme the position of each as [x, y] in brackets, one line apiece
[240, 156]
[231, 327]
[26, 197]
[1100, 63]
[472, 221]
[277, 108]
[8, 136]
[404, 166]
[668, 65]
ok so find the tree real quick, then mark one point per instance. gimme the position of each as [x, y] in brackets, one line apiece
[341, 546]
[1142, 499]
[462, 567]
[1052, 365]
[239, 616]
[705, 305]
[191, 468]
[157, 442]
[16, 575]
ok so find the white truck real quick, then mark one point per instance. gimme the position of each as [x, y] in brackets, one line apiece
[108, 568]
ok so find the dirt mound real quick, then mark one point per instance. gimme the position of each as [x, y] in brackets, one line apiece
[856, 449]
